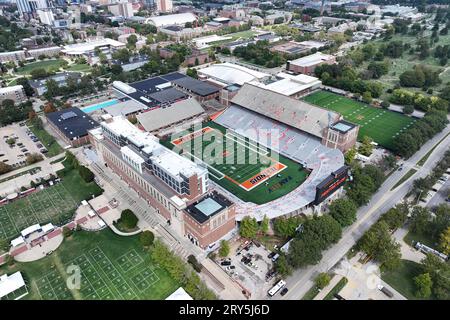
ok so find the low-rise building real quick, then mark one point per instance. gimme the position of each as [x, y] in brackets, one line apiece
[307, 65]
[15, 93]
[71, 125]
[39, 85]
[200, 90]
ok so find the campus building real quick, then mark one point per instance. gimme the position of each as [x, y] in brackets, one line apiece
[176, 187]
[15, 93]
[307, 65]
[341, 135]
[71, 125]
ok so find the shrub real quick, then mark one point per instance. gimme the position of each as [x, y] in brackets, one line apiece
[129, 219]
[67, 232]
[33, 158]
[224, 248]
[192, 260]
[322, 280]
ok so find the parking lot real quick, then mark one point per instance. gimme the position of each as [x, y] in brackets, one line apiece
[249, 264]
[16, 144]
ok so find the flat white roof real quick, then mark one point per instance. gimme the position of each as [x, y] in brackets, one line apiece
[9, 284]
[179, 294]
[48, 227]
[171, 19]
[17, 241]
[232, 73]
[311, 60]
[11, 89]
[89, 45]
[290, 84]
[30, 230]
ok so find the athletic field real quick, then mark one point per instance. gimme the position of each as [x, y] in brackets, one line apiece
[379, 124]
[111, 268]
[247, 169]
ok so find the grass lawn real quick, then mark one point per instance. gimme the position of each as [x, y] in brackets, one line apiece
[402, 278]
[48, 65]
[79, 68]
[380, 125]
[311, 294]
[47, 140]
[411, 238]
[54, 204]
[237, 167]
[112, 268]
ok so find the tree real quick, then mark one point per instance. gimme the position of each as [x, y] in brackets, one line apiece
[322, 280]
[248, 228]
[282, 266]
[224, 250]
[128, 219]
[440, 275]
[423, 285]
[385, 104]
[33, 158]
[367, 97]
[131, 41]
[38, 73]
[396, 217]
[86, 174]
[444, 243]
[4, 167]
[116, 69]
[192, 260]
[343, 211]
[192, 73]
[146, 238]
[366, 146]
[408, 109]
[419, 220]
[265, 225]
[286, 227]
[49, 107]
[67, 232]
[350, 156]
[26, 86]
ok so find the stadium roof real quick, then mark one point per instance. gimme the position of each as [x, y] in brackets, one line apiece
[232, 73]
[162, 117]
[72, 122]
[295, 113]
[171, 19]
[195, 86]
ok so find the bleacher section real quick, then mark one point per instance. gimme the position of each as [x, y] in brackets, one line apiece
[290, 142]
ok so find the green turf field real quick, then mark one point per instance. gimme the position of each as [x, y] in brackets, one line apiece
[233, 168]
[54, 204]
[379, 124]
[111, 268]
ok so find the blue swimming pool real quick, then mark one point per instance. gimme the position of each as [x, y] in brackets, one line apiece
[98, 106]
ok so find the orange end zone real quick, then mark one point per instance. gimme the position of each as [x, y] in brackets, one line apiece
[267, 173]
[192, 136]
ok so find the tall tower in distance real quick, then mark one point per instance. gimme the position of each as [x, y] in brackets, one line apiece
[164, 5]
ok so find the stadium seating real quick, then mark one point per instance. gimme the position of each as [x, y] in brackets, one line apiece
[291, 143]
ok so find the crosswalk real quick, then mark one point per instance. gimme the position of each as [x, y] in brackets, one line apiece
[142, 210]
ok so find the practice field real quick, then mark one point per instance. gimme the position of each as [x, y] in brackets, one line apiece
[379, 124]
[51, 204]
[242, 166]
[111, 268]
[54, 204]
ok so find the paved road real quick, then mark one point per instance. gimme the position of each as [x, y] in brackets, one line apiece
[302, 280]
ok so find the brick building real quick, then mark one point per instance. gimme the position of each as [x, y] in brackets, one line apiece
[307, 65]
[341, 135]
[167, 181]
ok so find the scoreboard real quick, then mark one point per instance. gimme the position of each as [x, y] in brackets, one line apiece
[332, 183]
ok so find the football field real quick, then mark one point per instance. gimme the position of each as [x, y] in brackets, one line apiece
[379, 124]
[244, 167]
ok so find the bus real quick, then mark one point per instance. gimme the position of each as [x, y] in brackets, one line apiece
[280, 284]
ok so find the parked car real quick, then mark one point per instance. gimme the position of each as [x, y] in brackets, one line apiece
[284, 291]
[39, 145]
[385, 290]
[43, 150]
[225, 263]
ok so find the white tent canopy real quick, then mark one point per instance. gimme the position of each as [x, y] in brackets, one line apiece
[27, 231]
[9, 284]
[17, 241]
